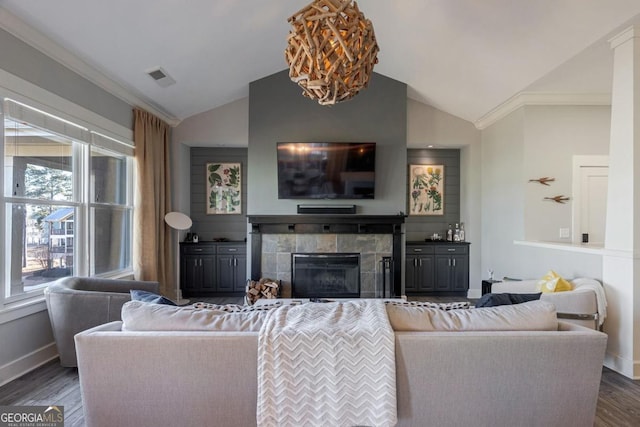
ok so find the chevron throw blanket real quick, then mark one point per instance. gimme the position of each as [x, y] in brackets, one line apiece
[329, 364]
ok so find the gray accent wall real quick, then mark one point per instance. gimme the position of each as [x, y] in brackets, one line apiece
[279, 113]
[209, 227]
[419, 227]
[28, 63]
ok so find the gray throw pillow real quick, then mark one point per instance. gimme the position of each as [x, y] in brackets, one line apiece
[494, 300]
[146, 296]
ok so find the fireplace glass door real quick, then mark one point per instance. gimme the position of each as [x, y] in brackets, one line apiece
[325, 275]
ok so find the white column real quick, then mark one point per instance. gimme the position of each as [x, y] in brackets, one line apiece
[621, 264]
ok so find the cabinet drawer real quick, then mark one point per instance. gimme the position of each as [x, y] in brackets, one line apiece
[411, 249]
[198, 249]
[451, 249]
[239, 249]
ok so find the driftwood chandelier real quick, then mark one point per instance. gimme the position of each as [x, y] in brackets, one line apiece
[331, 50]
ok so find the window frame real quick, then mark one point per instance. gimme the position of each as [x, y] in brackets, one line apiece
[104, 134]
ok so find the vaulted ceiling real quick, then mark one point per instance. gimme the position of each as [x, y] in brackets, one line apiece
[465, 57]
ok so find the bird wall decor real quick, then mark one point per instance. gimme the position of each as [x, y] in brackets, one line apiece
[545, 180]
[558, 199]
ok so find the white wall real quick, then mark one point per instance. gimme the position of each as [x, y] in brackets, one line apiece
[552, 136]
[427, 125]
[225, 126]
[502, 202]
[532, 142]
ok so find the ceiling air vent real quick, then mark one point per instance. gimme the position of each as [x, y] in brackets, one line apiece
[160, 76]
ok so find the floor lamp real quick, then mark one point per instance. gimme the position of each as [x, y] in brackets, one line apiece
[179, 222]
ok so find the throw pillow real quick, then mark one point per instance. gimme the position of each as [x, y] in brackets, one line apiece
[235, 308]
[438, 305]
[520, 298]
[552, 282]
[493, 300]
[146, 296]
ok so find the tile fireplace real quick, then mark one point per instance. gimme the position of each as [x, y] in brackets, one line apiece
[375, 241]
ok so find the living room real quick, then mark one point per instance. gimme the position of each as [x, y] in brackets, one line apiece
[513, 231]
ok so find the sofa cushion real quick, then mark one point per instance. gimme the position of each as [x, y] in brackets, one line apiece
[140, 316]
[145, 296]
[552, 282]
[528, 316]
[493, 300]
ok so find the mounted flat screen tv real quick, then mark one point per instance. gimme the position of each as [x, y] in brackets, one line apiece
[326, 170]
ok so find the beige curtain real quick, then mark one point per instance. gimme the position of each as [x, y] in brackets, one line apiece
[153, 251]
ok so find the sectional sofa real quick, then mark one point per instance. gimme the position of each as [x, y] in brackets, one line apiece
[510, 365]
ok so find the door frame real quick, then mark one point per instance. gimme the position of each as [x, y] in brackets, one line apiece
[580, 161]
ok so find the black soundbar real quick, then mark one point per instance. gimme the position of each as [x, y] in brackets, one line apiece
[326, 209]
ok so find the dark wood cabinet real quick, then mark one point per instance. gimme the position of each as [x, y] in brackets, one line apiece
[437, 268]
[419, 269]
[213, 268]
[232, 268]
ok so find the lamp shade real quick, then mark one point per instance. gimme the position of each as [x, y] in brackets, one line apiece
[178, 221]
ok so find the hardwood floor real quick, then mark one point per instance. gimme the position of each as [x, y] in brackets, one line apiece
[51, 384]
[618, 403]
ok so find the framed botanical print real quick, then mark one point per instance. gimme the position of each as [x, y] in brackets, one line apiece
[426, 189]
[224, 188]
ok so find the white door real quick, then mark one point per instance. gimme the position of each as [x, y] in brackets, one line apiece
[593, 202]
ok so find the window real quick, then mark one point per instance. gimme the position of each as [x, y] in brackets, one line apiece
[68, 203]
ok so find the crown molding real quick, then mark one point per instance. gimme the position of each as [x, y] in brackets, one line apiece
[540, 98]
[42, 43]
[626, 35]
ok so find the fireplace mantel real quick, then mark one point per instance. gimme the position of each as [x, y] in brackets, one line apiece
[328, 224]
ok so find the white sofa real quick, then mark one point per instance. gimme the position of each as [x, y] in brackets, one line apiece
[443, 378]
[585, 305]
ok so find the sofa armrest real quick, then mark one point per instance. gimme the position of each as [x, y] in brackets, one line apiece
[115, 326]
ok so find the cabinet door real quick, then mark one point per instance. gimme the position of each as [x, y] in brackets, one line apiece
[208, 272]
[460, 273]
[425, 274]
[410, 273]
[190, 277]
[226, 271]
[240, 265]
[443, 273]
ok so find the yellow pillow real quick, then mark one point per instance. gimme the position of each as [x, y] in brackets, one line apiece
[552, 282]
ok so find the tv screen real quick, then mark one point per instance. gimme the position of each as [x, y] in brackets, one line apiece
[326, 170]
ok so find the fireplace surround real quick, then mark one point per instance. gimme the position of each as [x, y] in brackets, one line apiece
[377, 238]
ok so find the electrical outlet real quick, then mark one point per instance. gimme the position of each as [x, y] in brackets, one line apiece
[564, 233]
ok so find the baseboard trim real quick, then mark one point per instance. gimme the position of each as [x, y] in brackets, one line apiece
[628, 368]
[473, 293]
[27, 363]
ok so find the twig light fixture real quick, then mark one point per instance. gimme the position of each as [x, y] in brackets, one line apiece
[331, 50]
